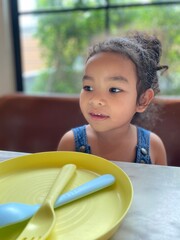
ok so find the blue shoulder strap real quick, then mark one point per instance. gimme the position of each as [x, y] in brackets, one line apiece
[142, 149]
[80, 138]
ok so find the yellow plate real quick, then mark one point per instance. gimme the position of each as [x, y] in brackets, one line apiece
[28, 178]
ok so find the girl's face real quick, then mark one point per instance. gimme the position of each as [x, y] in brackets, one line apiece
[108, 98]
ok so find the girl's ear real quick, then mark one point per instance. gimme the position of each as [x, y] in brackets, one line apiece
[145, 100]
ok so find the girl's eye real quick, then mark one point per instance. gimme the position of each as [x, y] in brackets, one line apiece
[115, 90]
[88, 88]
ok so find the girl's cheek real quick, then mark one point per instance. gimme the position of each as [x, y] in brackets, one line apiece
[82, 102]
[83, 96]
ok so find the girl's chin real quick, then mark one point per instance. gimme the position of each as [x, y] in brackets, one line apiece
[100, 127]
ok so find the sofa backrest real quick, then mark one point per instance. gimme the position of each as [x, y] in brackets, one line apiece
[168, 128]
[30, 123]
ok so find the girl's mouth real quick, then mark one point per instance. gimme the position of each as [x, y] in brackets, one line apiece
[98, 116]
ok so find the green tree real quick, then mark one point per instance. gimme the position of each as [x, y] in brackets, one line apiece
[65, 37]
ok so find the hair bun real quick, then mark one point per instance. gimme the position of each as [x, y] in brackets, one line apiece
[149, 43]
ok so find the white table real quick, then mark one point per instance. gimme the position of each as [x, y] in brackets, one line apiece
[155, 211]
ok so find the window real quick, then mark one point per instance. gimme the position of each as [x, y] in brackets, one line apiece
[51, 38]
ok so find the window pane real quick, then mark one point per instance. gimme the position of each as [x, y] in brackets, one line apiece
[53, 50]
[163, 22]
[26, 5]
[136, 1]
[54, 46]
[32, 5]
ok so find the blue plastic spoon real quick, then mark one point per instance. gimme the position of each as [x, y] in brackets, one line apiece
[11, 213]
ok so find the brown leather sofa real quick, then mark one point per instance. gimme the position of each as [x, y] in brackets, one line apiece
[30, 123]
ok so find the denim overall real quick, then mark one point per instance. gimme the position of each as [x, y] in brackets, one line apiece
[142, 148]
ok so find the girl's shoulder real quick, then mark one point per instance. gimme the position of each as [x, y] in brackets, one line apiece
[66, 143]
[157, 150]
[150, 140]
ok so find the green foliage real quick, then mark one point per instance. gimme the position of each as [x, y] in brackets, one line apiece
[65, 37]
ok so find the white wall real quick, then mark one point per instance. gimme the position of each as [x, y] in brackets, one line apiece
[7, 76]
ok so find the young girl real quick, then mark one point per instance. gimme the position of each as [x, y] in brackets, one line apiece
[119, 82]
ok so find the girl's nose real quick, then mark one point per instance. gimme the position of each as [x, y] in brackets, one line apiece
[97, 101]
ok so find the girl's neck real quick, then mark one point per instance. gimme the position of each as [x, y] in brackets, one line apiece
[114, 145]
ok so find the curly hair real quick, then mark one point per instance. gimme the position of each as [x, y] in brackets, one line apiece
[144, 51]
